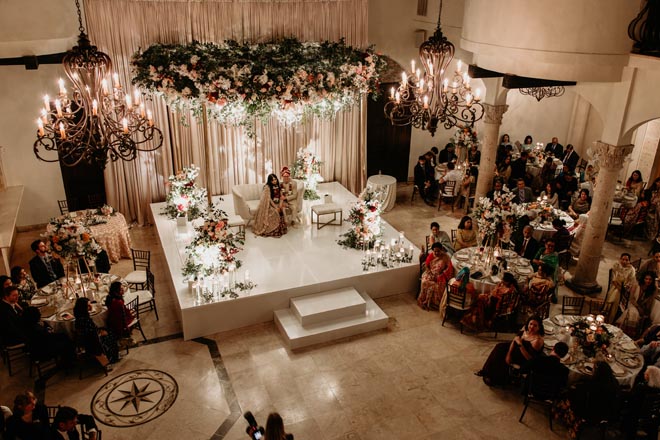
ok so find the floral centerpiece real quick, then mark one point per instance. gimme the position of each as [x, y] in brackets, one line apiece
[185, 199]
[106, 210]
[591, 335]
[491, 216]
[237, 83]
[366, 224]
[463, 139]
[307, 168]
[68, 239]
[213, 249]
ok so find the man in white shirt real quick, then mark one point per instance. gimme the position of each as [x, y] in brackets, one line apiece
[452, 175]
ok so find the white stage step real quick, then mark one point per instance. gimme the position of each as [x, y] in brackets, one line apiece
[342, 324]
[328, 306]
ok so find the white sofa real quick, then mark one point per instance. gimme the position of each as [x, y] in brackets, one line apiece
[246, 200]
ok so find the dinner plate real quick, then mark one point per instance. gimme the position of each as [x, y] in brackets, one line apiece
[462, 257]
[549, 329]
[549, 343]
[509, 254]
[569, 359]
[65, 316]
[524, 270]
[39, 302]
[96, 309]
[586, 368]
[617, 369]
[628, 361]
[628, 346]
[560, 320]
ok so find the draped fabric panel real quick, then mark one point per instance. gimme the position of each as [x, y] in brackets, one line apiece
[225, 154]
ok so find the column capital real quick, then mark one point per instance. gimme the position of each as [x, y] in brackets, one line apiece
[610, 156]
[493, 113]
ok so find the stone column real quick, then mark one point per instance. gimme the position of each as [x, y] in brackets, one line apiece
[492, 121]
[610, 158]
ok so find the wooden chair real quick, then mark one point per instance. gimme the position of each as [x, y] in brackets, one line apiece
[456, 300]
[414, 192]
[543, 390]
[64, 208]
[447, 193]
[565, 256]
[615, 222]
[12, 353]
[506, 310]
[134, 307]
[84, 359]
[42, 365]
[454, 232]
[147, 297]
[95, 200]
[469, 202]
[636, 264]
[141, 264]
[572, 305]
[52, 412]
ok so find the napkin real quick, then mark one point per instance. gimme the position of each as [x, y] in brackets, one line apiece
[66, 316]
[39, 301]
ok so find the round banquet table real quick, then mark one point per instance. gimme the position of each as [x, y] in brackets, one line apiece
[112, 236]
[468, 257]
[57, 311]
[386, 187]
[626, 361]
[543, 230]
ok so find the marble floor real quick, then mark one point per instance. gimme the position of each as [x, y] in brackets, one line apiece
[412, 380]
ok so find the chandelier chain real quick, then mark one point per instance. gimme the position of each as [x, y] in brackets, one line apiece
[81, 28]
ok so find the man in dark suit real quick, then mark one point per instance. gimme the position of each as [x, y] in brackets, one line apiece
[519, 169]
[66, 421]
[550, 367]
[11, 321]
[528, 245]
[555, 148]
[44, 268]
[497, 189]
[571, 158]
[523, 193]
[424, 181]
[447, 154]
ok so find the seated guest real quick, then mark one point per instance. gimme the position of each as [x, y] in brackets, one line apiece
[635, 183]
[550, 367]
[650, 334]
[523, 193]
[425, 183]
[555, 148]
[481, 314]
[527, 144]
[504, 169]
[439, 236]
[434, 152]
[66, 420]
[527, 345]
[466, 234]
[5, 281]
[474, 155]
[452, 175]
[581, 205]
[12, 330]
[438, 270]
[447, 154]
[519, 168]
[43, 343]
[119, 316]
[593, 400]
[623, 277]
[566, 186]
[539, 291]
[497, 189]
[528, 245]
[44, 268]
[578, 230]
[430, 159]
[550, 196]
[547, 255]
[652, 265]
[640, 305]
[98, 342]
[26, 287]
[571, 158]
[640, 404]
[562, 235]
[26, 422]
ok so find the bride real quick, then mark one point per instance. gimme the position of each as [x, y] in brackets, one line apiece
[270, 220]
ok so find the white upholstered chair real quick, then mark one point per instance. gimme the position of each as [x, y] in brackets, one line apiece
[246, 200]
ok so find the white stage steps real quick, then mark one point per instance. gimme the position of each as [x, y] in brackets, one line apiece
[326, 316]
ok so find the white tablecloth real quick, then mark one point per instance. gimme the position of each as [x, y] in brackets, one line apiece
[626, 379]
[519, 267]
[386, 187]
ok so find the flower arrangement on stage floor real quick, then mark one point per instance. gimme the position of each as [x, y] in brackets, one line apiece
[185, 199]
[68, 240]
[491, 216]
[591, 335]
[307, 168]
[366, 223]
[237, 83]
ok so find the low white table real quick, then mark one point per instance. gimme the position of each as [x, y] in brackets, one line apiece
[326, 209]
[386, 187]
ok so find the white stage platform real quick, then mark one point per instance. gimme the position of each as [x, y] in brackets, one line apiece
[302, 262]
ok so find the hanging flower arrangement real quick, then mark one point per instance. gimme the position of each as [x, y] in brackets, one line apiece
[307, 167]
[240, 82]
[366, 223]
[213, 250]
[185, 199]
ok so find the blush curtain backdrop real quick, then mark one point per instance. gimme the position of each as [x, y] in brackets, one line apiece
[225, 154]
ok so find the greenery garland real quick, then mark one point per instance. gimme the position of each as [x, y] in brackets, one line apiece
[289, 78]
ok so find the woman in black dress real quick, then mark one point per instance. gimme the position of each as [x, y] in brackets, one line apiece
[97, 342]
[27, 422]
[527, 345]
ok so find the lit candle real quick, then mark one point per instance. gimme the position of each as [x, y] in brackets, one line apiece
[44, 115]
[466, 79]
[421, 84]
[392, 93]
[454, 85]
[46, 102]
[136, 96]
[95, 107]
[468, 100]
[426, 102]
[590, 319]
[404, 79]
[62, 132]
[445, 85]
[431, 69]
[401, 237]
[150, 117]
[593, 328]
[398, 97]
[600, 319]
[142, 110]
[459, 66]
[129, 102]
[418, 73]
[58, 107]
[412, 65]
[115, 78]
[62, 89]
[477, 95]
[393, 242]
[247, 275]
[40, 126]
[124, 124]
[104, 86]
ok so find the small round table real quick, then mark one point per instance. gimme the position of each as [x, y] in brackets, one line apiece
[386, 187]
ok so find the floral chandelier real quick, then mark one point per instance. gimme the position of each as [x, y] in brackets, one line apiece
[239, 83]
[99, 120]
[426, 99]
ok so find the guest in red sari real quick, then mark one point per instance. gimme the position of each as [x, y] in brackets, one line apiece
[119, 316]
[481, 314]
[438, 271]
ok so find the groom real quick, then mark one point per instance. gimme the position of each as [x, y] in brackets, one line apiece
[289, 191]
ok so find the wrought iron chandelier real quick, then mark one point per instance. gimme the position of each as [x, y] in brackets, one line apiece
[99, 119]
[543, 92]
[431, 98]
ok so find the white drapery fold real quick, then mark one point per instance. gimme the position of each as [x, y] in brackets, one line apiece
[229, 156]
